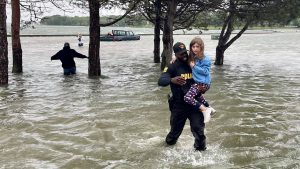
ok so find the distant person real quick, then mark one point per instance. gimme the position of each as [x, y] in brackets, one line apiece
[66, 56]
[80, 43]
[200, 65]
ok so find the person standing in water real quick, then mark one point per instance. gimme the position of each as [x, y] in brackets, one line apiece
[80, 43]
[66, 56]
[179, 76]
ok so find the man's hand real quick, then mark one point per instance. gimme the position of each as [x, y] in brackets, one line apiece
[178, 80]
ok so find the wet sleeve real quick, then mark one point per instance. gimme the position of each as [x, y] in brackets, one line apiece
[56, 56]
[79, 55]
[165, 78]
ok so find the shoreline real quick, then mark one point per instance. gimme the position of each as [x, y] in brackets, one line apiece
[60, 31]
[144, 34]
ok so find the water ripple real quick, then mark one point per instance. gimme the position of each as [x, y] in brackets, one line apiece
[48, 120]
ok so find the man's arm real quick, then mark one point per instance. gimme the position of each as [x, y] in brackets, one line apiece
[79, 55]
[166, 78]
[56, 56]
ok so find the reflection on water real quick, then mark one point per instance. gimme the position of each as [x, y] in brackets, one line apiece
[48, 120]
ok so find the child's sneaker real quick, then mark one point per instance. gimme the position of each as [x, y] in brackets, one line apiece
[206, 114]
[213, 111]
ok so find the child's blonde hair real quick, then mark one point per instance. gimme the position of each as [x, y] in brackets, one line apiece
[200, 42]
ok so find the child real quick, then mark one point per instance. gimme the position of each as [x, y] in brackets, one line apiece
[200, 65]
[80, 43]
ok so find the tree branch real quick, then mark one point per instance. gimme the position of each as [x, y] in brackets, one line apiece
[238, 35]
[123, 16]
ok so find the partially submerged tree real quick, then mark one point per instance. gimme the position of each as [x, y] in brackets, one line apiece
[168, 33]
[15, 37]
[94, 45]
[156, 51]
[94, 51]
[175, 14]
[94, 7]
[3, 45]
[248, 12]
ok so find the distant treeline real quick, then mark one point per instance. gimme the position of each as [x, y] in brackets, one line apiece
[133, 21]
[65, 20]
[204, 21]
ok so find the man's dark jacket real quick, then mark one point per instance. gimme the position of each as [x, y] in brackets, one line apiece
[66, 56]
[182, 69]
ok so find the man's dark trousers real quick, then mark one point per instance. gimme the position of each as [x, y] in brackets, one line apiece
[179, 115]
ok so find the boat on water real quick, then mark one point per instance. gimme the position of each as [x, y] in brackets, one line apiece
[119, 35]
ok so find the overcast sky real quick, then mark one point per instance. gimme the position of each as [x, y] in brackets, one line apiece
[55, 11]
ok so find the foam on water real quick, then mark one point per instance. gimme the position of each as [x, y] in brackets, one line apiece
[181, 156]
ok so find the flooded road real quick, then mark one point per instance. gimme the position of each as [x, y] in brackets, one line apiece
[48, 120]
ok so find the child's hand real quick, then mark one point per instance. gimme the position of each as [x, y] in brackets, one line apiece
[192, 64]
[173, 59]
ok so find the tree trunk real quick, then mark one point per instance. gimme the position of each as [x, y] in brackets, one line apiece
[15, 37]
[168, 34]
[3, 45]
[225, 34]
[94, 56]
[219, 55]
[157, 32]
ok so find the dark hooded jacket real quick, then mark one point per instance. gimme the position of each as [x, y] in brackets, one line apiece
[66, 56]
[182, 69]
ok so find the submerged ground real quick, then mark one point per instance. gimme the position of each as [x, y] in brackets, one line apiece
[48, 120]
